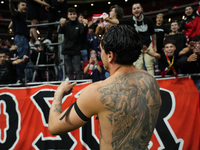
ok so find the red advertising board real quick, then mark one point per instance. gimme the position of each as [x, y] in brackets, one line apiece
[24, 119]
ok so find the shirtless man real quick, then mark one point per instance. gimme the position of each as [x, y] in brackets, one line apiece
[127, 103]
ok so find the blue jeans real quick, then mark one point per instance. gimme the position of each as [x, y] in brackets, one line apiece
[84, 55]
[29, 72]
[77, 66]
[22, 49]
[107, 74]
[60, 73]
[196, 80]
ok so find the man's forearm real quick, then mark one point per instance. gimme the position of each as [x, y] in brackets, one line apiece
[184, 51]
[10, 26]
[56, 107]
[40, 2]
[154, 54]
[113, 21]
[18, 61]
[12, 8]
[154, 39]
[154, 42]
[55, 111]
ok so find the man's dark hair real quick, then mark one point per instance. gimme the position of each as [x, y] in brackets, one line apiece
[188, 6]
[1, 52]
[118, 10]
[22, 1]
[137, 3]
[124, 42]
[8, 54]
[196, 38]
[170, 42]
[81, 14]
[71, 10]
[91, 27]
[174, 21]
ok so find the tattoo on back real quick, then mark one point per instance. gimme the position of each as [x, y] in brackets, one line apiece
[134, 102]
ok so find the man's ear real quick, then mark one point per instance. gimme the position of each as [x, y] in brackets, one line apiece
[110, 56]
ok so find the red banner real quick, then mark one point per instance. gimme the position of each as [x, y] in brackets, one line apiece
[24, 119]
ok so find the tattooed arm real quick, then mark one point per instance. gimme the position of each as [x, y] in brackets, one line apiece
[154, 42]
[56, 108]
[71, 121]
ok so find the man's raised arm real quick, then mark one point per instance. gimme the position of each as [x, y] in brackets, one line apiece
[12, 8]
[113, 21]
[154, 42]
[18, 61]
[78, 114]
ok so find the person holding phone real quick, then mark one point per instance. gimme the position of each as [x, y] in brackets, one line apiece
[92, 68]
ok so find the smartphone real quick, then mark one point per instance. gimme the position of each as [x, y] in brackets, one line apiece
[93, 55]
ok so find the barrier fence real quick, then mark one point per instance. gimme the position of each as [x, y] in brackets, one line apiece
[60, 56]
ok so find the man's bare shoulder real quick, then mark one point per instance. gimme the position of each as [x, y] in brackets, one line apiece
[135, 79]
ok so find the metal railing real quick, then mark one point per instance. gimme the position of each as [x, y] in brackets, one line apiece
[158, 77]
[60, 56]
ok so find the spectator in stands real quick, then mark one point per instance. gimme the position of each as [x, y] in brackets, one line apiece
[21, 34]
[190, 63]
[191, 23]
[167, 59]
[161, 31]
[7, 72]
[5, 47]
[55, 12]
[84, 51]
[116, 12]
[7, 44]
[93, 68]
[35, 14]
[178, 37]
[145, 27]
[7, 56]
[11, 48]
[81, 19]
[92, 40]
[73, 31]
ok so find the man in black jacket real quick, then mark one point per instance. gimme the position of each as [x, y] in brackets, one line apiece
[73, 31]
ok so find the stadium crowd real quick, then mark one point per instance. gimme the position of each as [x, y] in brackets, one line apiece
[165, 51]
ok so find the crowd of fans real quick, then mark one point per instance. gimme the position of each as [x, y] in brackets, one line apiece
[175, 50]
